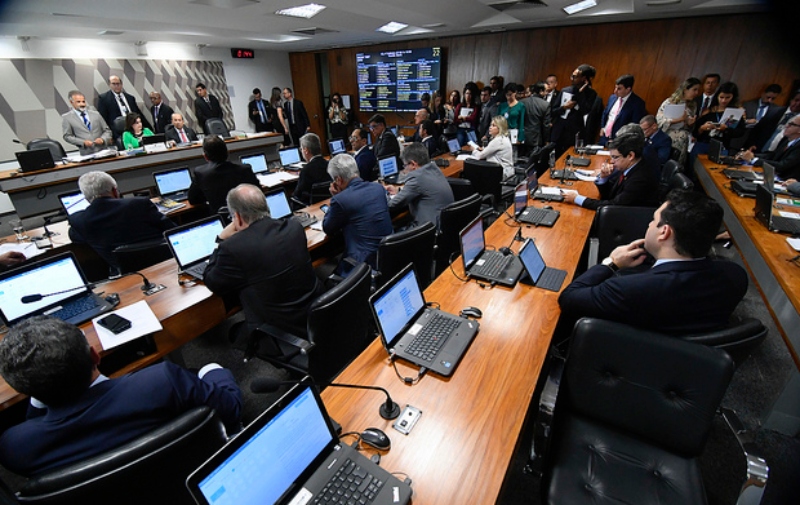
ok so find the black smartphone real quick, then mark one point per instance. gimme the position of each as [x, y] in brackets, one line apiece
[324, 208]
[114, 323]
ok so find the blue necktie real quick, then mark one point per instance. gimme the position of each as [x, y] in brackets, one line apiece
[262, 111]
[761, 111]
[86, 120]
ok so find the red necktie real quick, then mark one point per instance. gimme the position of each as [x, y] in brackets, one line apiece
[183, 137]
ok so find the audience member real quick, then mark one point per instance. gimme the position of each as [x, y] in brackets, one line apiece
[710, 84]
[425, 191]
[384, 143]
[315, 169]
[296, 116]
[116, 102]
[499, 149]
[212, 181]
[786, 156]
[84, 128]
[657, 144]
[161, 112]
[261, 113]
[714, 125]
[763, 116]
[337, 117]
[571, 105]
[427, 132]
[551, 83]
[537, 117]
[791, 111]
[497, 84]
[448, 119]
[134, 131]
[75, 412]
[419, 116]
[514, 112]
[488, 111]
[624, 106]
[180, 133]
[679, 129]
[206, 106]
[366, 161]
[279, 121]
[467, 113]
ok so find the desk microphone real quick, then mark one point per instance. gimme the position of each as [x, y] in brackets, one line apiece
[388, 410]
[38, 296]
[148, 287]
[18, 141]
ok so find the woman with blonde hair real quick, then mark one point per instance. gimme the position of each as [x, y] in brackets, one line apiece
[680, 128]
[499, 149]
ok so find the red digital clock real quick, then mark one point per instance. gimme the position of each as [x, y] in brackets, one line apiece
[242, 53]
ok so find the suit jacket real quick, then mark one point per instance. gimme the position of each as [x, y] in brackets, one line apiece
[313, 172]
[114, 412]
[537, 121]
[261, 124]
[211, 183]
[763, 130]
[638, 188]
[564, 129]
[108, 107]
[488, 111]
[785, 160]
[205, 111]
[425, 192]
[111, 222]
[75, 131]
[633, 110]
[658, 147]
[679, 297]
[361, 213]
[366, 162]
[163, 119]
[431, 145]
[277, 291]
[300, 123]
[172, 134]
[386, 145]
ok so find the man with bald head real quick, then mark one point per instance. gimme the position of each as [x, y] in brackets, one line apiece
[161, 112]
[180, 133]
[115, 103]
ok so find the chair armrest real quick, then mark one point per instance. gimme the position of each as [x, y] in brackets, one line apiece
[594, 250]
[543, 422]
[757, 470]
[278, 335]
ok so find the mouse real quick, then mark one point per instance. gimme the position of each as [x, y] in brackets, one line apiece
[113, 299]
[376, 438]
[548, 207]
[471, 311]
[505, 250]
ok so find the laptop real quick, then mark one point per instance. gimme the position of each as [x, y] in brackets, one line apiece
[536, 272]
[173, 184]
[156, 138]
[566, 174]
[480, 263]
[75, 302]
[192, 244]
[763, 212]
[389, 171]
[715, 149]
[291, 455]
[35, 159]
[413, 331]
[290, 158]
[454, 147]
[257, 162]
[336, 146]
[279, 208]
[531, 215]
[73, 202]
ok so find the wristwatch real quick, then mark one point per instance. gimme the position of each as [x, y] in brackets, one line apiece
[610, 264]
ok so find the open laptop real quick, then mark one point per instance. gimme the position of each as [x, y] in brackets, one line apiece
[279, 208]
[531, 215]
[715, 148]
[192, 244]
[389, 171]
[763, 212]
[173, 184]
[258, 163]
[454, 147]
[35, 159]
[537, 273]
[537, 192]
[413, 331]
[74, 302]
[480, 263]
[291, 455]
[565, 174]
[73, 202]
[336, 146]
[290, 158]
[156, 138]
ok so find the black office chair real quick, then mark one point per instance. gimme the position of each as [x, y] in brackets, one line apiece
[680, 181]
[452, 219]
[669, 169]
[410, 246]
[150, 469]
[616, 225]
[140, 255]
[628, 418]
[339, 329]
[461, 188]
[739, 339]
[56, 149]
[216, 126]
[486, 178]
[675, 154]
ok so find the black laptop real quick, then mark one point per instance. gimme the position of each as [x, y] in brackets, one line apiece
[482, 264]
[72, 301]
[389, 171]
[537, 273]
[413, 331]
[173, 184]
[290, 455]
[763, 212]
[258, 163]
[715, 148]
[336, 146]
[72, 202]
[193, 244]
[279, 208]
[531, 215]
[564, 174]
[35, 159]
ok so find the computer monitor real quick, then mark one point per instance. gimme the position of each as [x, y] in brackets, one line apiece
[257, 162]
[289, 156]
[336, 146]
[278, 204]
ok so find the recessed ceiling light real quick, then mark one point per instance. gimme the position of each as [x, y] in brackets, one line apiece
[580, 6]
[307, 11]
[391, 27]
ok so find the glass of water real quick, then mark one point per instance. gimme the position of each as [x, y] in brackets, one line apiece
[579, 147]
[19, 229]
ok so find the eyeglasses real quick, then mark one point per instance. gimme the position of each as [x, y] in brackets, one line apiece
[792, 124]
[616, 156]
[352, 138]
[373, 126]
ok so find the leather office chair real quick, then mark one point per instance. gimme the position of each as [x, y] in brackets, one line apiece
[669, 169]
[542, 158]
[486, 178]
[410, 246]
[452, 219]
[680, 181]
[616, 225]
[339, 329]
[629, 417]
[461, 188]
[140, 255]
[56, 149]
[675, 154]
[739, 339]
[216, 126]
[150, 469]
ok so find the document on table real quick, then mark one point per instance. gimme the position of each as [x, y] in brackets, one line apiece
[790, 215]
[794, 243]
[276, 178]
[143, 322]
[549, 190]
[316, 226]
[29, 249]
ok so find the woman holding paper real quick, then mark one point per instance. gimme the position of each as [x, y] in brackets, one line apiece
[467, 113]
[676, 116]
[499, 149]
[717, 123]
[514, 112]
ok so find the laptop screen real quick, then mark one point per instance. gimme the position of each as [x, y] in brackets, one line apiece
[173, 181]
[453, 145]
[532, 259]
[472, 242]
[257, 162]
[399, 302]
[194, 242]
[73, 202]
[520, 198]
[58, 273]
[532, 180]
[388, 166]
[714, 150]
[268, 460]
[289, 156]
[763, 208]
[278, 204]
[336, 147]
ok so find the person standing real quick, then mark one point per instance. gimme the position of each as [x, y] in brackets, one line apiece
[337, 117]
[296, 116]
[116, 102]
[261, 113]
[84, 128]
[206, 106]
[161, 112]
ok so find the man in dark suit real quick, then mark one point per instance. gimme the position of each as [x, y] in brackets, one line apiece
[384, 143]
[537, 117]
[568, 118]
[710, 85]
[684, 292]
[786, 157]
[206, 106]
[420, 116]
[180, 133]
[497, 85]
[624, 107]
[551, 90]
[358, 210]
[791, 112]
[276, 288]
[260, 113]
[161, 112]
[212, 182]
[427, 133]
[763, 116]
[488, 109]
[426, 190]
[657, 144]
[628, 181]
[115, 103]
[110, 220]
[295, 113]
[366, 161]
[76, 413]
[315, 169]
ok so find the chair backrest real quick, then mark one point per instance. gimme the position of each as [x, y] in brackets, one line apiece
[680, 181]
[485, 177]
[118, 126]
[140, 255]
[669, 169]
[397, 250]
[738, 339]
[461, 188]
[153, 465]
[542, 160]
[216, 126]
[675, 154]
[56, 149]
[452, 219]
[320, 191]
[339, 324]
[648, 385]
[616, 225]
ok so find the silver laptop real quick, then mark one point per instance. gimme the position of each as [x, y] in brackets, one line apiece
[279, 208]
[173, 184]
[290, 158]
[336, 146]
[258, 163]
[73, 202]
[193, 244]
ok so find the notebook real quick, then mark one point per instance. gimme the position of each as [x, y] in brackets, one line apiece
[287, 456]
[76, 304]
[290, 158]
[480, 263]
[454, 147]
[279, 208]
[406, 322]
[389, 171]
[73, 202]
[173, 184]
[35, 159]
[336, 146]
[192, 244]
[537, 273]
[531, 215]
[257, 162]
[763, 212]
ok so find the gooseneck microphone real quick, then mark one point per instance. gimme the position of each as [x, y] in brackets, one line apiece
[147, 286]
[37, 297]
[389, 409]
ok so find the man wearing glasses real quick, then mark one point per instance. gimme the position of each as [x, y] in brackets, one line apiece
[657, 144]
[365, 160]
[786, 156]
[572, 104]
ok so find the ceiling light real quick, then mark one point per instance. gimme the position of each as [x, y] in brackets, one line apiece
[391, 27]
[307, 11]
[580, 6]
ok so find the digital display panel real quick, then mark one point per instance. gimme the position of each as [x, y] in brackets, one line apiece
[395, 80]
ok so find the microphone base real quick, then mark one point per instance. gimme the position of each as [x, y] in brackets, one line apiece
[152, 289]
[392, 413]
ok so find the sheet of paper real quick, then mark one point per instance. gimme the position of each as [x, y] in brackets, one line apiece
[788, 201]
[794, 243]
[565, 97]
[466, 111]
[790, 215]
[316, 226]
[731, 117]
[583, 177]
[29, 249]
[473, 145]
[603, 152]
[549, 190]
[143, 322]
[674, 111]
[276, 178]
[462, 157]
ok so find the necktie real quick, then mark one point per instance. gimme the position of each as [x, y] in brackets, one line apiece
[262, 111]
[772, 143]
[155, 118]
[289, 112]
[86, 121]
[208, 101]
[762, 109]
[122, 107]
[706, 103]
[613, 118]
[184, 139]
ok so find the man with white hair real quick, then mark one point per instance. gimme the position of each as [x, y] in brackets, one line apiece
[83, 127]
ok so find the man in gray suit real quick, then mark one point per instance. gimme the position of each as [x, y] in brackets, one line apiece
[537, 116]
[84, 128]
[426, 190]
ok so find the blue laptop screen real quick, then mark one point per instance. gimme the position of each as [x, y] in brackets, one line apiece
[453, 145]
[520, 198]
[289, 156]
[257, 162]
[73, 202]
[397, 306]
[472, 244]
[533, 181]
[532, 260]
[388, 166]
[195, 243]
[173, 181]
[336, 147]
[278, 205]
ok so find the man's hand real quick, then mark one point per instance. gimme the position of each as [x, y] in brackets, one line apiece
[11, 258]
[88, 143]
[569, 104]
[99, 141]
[631, 255]
[745, 155]
[391, 189]
[228, 231]
[606, 170]
[569, 195]
[334, 189]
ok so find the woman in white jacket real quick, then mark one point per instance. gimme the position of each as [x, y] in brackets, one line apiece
[499, 149]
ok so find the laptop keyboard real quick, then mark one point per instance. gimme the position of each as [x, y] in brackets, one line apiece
[77, 307]
[494, 264]
[551, 279]
[197, 270]
[432, 337]
[350, 484]
[786, 224]
[534, 215]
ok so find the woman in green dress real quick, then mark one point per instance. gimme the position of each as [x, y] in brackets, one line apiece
[514, 112]
[134, 131]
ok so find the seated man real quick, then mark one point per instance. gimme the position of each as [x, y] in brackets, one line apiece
[627, 181]
[786, 156]
[76, 413]
[315, 169]
[419, 117]
[358, 209]
[265, 262]
[384, 143]
[212, 182]
[180, 134]
[366, 161]
[427, 132]
[426, 190]
[110, 220]
[684, 292]
[657, 144]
